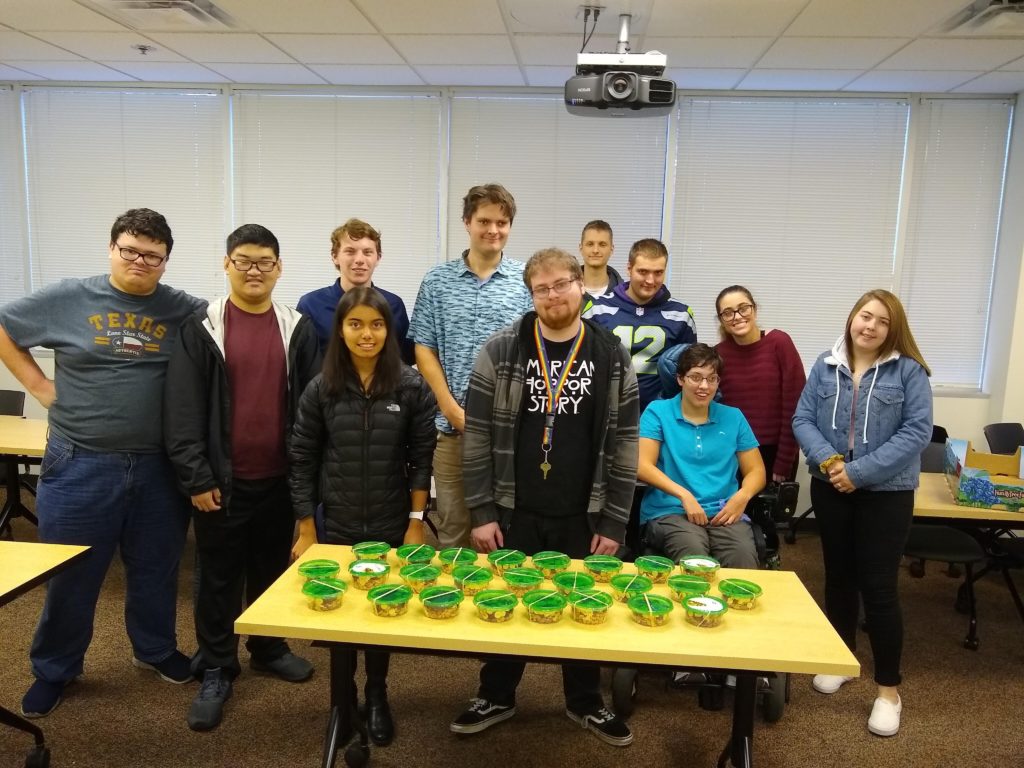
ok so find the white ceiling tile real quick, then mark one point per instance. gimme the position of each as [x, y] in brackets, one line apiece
[484, 75]
[39, 15]
[723, 18]
[279, 74]
[338, 16]
[1017, 65]
[977, 55]
[71, 70]
[337, 49]
[797, 79]
[826, 53]
[15, 45]
[548, 77]
[921, 81]
[566, 17]
[872, 18]
[361, 74]
[557, 50]
[709, 52]
[435, 17]
[994, 82]
[705, 79]
[109, 46]
[496, 50]
[168, 71]
[227, 47]
[12, 73]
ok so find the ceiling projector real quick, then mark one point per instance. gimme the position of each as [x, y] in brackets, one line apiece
[620, 85]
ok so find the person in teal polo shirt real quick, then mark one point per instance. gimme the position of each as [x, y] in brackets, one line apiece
[692, 452]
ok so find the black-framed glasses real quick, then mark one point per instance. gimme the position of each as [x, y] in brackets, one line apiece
[696, 379]
[263, 265]
[149, 259]
[743, 310]
[559, 288]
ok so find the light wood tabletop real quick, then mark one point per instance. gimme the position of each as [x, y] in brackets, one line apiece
[934, 499]
[22, 437]
[785, 632]
[23, 565]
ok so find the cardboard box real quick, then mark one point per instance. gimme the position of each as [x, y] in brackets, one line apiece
[988, 480]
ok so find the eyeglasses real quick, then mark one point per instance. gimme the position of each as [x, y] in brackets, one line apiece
[696, 379]
[559, 288]
[263, 265]
[743, 310]
[149, 259]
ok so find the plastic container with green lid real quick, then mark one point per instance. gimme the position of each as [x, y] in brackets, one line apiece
[367, 574]
[419, 576]
[319, 569]
[650, 610]
[371, 550]
[602, 567]
[456, 556]
[590, 606]
[654, 567]
[704, 566]
[390, 599]
[324, 594]
[415, 553]
[739, 593]
[704, 610]
[570, 581]
[550, 563]
[683, 585]
[625, 585]
[522, 580]
[471, 578]
[441, 602]
[495, 605]
[502, 559]
[544, 606]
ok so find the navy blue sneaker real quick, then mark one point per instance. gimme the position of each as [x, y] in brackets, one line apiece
[41, 698]
[289, 667]
[207, 707]
[176, 668]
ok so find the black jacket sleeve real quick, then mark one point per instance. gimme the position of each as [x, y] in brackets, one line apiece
[422, 434]
[305, 451]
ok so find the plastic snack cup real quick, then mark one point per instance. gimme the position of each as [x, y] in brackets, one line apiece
[602, 567]
[700, 565]
[495, 605]
[550, 563]
[704, 611]
[590, 606]
[419, 576]
[390, 599]
[415, 553]
[654, 567]
[544, 606]
[456, 556]
[324, 594]
[625, 585]
[471, 578]
[371, 550]
[502, 559]
[650, 610]
[739, 593]
[522, 580]
[572, 581]
[319, 569]
[441, 602]
[683, 585]
[367, 574]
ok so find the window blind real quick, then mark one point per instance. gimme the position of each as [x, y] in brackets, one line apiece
[13, 247]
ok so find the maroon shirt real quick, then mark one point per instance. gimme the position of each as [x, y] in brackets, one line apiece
[258, 377]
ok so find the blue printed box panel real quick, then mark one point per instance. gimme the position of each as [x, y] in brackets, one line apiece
[987, 480]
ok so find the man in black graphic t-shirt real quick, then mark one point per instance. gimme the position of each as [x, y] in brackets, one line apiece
[549, 462]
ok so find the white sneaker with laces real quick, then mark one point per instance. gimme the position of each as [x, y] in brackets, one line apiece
[885, 717]
[829, 683]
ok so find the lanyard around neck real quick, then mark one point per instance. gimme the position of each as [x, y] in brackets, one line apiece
[554, 392]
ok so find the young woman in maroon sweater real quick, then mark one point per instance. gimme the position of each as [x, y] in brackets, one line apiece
[763, 376]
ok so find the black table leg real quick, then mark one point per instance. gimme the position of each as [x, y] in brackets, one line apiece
[339, 725]
[737, 754]
[12, 505]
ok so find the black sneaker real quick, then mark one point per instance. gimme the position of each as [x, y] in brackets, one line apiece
[176, 668]
[607, 727]
[208, 706]
[480, 714]
[289, 667]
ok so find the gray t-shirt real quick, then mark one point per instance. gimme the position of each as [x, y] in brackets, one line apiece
[110, 353]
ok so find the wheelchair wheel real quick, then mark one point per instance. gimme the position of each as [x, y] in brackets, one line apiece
[624, 689]
[773, 702]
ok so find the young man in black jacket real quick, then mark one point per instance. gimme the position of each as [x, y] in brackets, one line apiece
[233, 383]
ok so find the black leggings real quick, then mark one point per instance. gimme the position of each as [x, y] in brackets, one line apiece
[862, 538]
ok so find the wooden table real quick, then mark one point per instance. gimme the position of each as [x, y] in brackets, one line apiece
[20, 440]
[22, 567]
[786, 632]
[934, 500]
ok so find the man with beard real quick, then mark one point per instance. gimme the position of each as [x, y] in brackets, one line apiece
[551, 445]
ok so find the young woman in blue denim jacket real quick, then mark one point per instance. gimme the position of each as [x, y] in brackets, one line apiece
[862, 421]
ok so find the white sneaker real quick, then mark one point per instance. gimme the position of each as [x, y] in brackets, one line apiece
[885, 717]
[829, 683]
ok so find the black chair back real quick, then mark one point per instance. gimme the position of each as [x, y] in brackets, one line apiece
[1005, 437]
[12, 402]
[939, 434]
[933, 458]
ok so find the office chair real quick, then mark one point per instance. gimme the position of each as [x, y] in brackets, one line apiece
[12, 403]
[1005, 438]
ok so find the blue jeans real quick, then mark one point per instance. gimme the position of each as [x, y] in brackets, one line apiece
[106, 501]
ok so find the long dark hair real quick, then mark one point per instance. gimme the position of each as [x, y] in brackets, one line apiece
[338, 369]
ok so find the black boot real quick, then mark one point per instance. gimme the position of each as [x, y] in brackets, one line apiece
[378, 716]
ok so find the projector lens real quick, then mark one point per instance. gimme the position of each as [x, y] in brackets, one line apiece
[621, 85]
